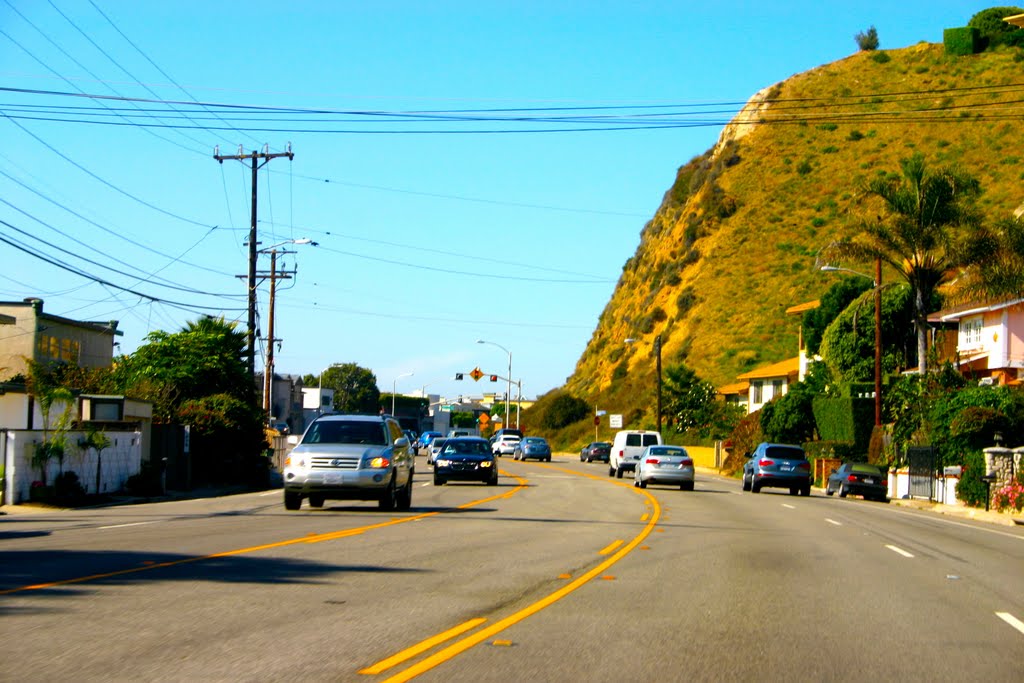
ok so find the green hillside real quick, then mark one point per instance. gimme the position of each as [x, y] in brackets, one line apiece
[735, 240]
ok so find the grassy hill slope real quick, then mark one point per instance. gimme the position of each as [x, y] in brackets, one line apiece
[735, 240]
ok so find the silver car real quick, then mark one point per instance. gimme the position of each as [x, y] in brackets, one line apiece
[350, 457]
[435, 447]
[664, 465]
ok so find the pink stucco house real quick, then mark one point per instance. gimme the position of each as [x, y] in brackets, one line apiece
[983, 340]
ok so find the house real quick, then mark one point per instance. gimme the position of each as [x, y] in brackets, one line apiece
[770, 381]
[286, 400]
[799, 310]
[737, 393]
[984, 341]
[27, 332]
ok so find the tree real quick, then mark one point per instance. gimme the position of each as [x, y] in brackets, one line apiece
[42, 385]
[867, 40]
[989, 22]
[848, 345]
[98, 441]
[564, 410]
[355, 388]
[833, 302]
[206, 357]
[692, 404]
[995, 263]
[790, 417]
[925, 216]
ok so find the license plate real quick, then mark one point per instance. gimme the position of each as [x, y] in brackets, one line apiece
[869, 481]
[334, 478]
[785, 468]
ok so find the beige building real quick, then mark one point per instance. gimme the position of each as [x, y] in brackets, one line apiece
[27, 332]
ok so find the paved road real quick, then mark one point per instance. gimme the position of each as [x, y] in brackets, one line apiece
[559, 574]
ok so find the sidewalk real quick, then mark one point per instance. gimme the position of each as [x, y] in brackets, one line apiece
[117, 501]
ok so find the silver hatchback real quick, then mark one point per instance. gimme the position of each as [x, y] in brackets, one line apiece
[664, 465]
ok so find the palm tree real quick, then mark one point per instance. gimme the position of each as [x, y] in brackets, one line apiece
[995, 258]
[926, 217]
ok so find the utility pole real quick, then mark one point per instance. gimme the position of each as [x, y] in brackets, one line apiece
[268, 375]
[255, 156]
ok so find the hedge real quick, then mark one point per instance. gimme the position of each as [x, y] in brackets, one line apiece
[961, 41]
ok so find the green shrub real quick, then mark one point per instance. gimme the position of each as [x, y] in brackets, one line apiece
[961, 41]
[971, 490]
[867, 40]
[845, 419]
[855, 135]
[828, 126]
[67, 490]
[992, 30]
[804, 167]
[881, 57]
[831, 149]
[146, 483]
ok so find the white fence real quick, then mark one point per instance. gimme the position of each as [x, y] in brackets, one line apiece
[121, 460]
[943, 486]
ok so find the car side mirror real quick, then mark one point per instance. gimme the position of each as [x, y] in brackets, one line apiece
[748, 454]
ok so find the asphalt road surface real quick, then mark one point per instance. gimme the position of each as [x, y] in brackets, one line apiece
[560, 573]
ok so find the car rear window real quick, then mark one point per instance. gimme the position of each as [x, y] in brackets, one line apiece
[339, 431]
[669, 450]
[650, 439]
[866, 469]
[784, 453]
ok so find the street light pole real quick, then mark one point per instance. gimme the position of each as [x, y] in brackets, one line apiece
[508, 392]
[877, 282]
[394, 389]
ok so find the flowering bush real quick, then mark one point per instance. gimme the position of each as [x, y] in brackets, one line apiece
[1010, 497]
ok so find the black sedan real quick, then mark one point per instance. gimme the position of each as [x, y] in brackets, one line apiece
[598, 450]
[465, 459]
[858, 479]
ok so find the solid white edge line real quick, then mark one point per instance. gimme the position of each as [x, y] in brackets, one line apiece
[899, 551]
[832, 521]
[1011, 620]
[120, 526]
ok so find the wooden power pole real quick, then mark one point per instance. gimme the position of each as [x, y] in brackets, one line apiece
[255, 157]
[268, 375]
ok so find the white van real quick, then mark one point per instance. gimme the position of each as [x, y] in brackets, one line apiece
[626, 450]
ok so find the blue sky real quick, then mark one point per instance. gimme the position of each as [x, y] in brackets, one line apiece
[432, 233]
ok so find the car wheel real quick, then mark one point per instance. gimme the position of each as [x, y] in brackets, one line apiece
[754, 486]
[746, 483]
[292, 501]
[547, 459]
[793, 490]
[611, 471]
[643, 484]
[686, 486]
[618, 473]
[438, 481]
[494, 479]
[806, 491]
[828, 490]
[316, 501]
[389, 499]
[842, 490]
[404, 498]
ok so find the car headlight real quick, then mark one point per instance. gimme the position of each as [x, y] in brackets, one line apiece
[486, 463]
[380, 462]
[294, 462]
[443, 462]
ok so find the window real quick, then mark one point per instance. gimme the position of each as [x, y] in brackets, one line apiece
[970, 332]
[756, 388]
[776, 388]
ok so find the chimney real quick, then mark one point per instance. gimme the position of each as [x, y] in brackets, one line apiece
[37, 304]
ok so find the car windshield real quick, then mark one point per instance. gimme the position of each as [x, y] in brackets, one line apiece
[784, 453]
[467, 448]
[346, 431]
[437, 443]
[678, 452]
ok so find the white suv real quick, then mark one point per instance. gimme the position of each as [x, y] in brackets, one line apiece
[350, 457]
[626, 450]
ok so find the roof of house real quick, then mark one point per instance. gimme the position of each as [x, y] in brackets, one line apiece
[784, 368]
[734, 388]
[800, 308]
[955, 313]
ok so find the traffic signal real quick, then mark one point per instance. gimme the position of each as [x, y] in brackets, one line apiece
[458, 376]
[494, 378]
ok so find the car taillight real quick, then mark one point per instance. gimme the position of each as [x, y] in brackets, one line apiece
[804, 466]
[765, 462]
[652, 461]
[852, 477]
[686, 463]
[622, 454]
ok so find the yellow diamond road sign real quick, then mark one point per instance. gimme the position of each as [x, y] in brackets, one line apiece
[476, 374]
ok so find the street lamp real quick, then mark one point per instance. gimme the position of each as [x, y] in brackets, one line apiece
[268, 372]
[394, 389]
[877, 283]
[508, 392]
[320, 389]
[657, 355]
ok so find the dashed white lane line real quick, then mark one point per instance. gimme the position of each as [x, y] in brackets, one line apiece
[270, 493]
[1011, 620]
[787, 505]
[121, 526]
[899, 551]
[832, 521]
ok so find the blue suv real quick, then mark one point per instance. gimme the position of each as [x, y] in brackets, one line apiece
[779, 465]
